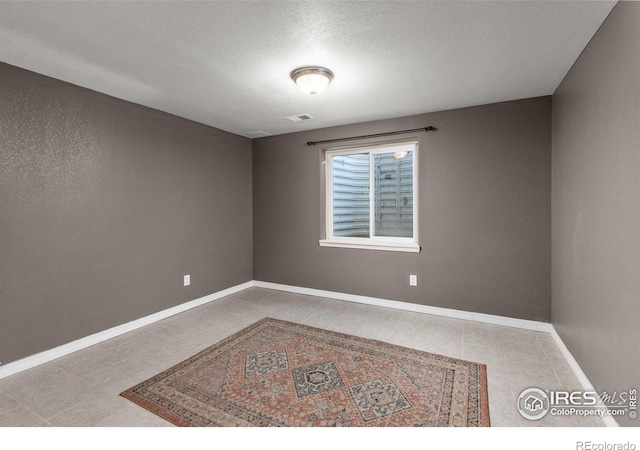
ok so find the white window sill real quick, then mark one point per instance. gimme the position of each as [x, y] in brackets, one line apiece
[366, 244]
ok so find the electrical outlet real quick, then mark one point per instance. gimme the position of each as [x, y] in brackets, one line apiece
[413, 280]
[187, 280]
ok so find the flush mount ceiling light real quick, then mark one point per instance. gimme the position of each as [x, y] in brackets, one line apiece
[312, 79]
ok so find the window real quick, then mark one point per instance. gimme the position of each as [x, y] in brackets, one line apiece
[371, 197]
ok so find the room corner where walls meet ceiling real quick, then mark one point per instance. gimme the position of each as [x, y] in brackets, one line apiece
[228, 64]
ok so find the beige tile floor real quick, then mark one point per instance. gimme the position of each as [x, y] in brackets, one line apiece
[82, 389]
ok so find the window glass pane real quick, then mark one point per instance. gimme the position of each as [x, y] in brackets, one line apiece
[351, 195]
[393, 192]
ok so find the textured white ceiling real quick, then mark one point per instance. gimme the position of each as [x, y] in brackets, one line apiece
[227, 64]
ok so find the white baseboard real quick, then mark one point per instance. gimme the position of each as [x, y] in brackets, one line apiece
[452, 313]
[413, 307]
[66, 349]
[74, 346]
[609, 421]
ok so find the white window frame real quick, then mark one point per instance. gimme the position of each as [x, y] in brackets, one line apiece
[373, 242]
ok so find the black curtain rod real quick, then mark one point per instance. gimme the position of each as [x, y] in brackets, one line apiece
[390, 133]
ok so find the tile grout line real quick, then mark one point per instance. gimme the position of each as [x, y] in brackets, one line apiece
[426, 336]
[513, 397]
[550, 363]
[558, 378]
[97, 389]
[21, 404]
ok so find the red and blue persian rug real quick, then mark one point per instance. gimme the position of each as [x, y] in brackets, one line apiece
[278, 373]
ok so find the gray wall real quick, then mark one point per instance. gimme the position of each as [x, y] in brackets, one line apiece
[104, 205]
[484, 206]
[596, 205]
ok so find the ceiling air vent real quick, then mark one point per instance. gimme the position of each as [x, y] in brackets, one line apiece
[256, 134]
[299, 118]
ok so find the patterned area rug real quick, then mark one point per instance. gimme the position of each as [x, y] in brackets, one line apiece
[277, 373]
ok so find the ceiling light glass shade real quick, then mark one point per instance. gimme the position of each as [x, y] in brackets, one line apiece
[312, 80]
